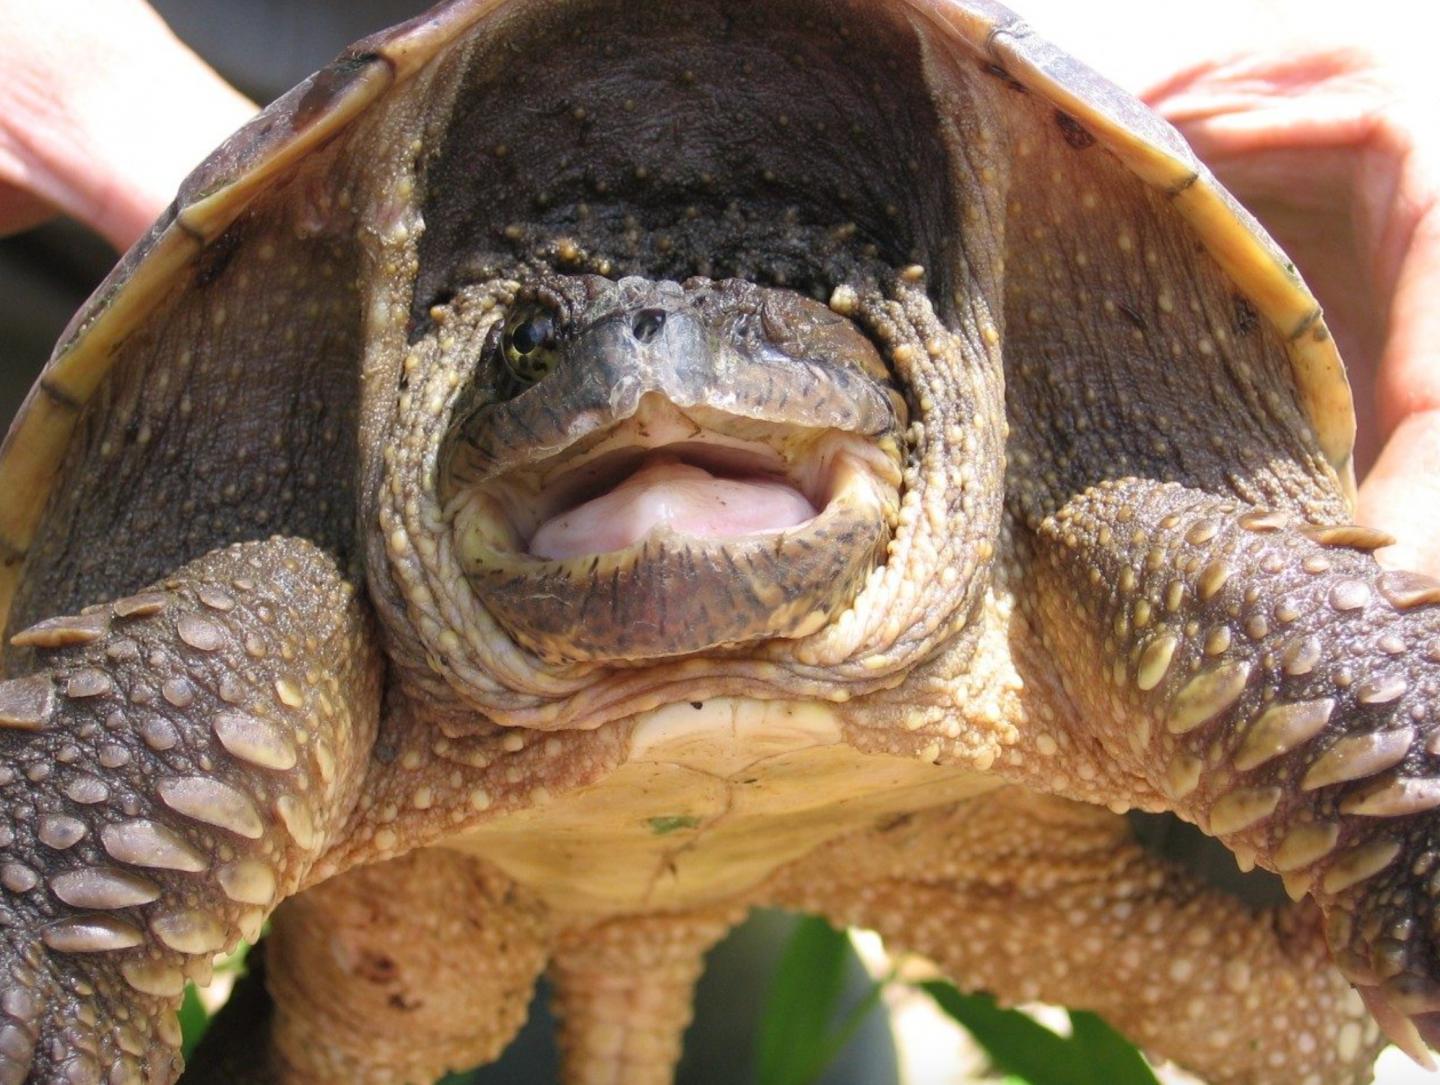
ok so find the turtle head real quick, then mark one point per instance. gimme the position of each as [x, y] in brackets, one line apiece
[699, 392]
[645, 469]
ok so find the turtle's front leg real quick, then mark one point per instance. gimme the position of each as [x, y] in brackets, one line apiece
[1266, 679]
[172, 765]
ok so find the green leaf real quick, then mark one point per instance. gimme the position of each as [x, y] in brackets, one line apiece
[837, 1040]
[1093, 1054]
[194, 1020]
[1110, 1055]
[800, 1003]
[1015, 1042]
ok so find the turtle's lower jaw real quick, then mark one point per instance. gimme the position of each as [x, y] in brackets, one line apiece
[675, 531]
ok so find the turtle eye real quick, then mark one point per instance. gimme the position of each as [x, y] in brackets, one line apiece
[528, 345]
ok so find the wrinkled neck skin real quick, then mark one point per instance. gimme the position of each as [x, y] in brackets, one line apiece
[634, 183]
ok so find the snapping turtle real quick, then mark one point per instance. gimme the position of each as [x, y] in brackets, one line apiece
[569, 472]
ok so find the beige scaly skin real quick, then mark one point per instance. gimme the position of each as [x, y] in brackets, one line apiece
[985, 490]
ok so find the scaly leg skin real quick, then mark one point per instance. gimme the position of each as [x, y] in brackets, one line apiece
[172, 766]
[375, 984]
[1032, 898]
[1272, 684]
[623, 993]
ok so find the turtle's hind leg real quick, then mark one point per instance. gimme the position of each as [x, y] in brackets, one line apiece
[402, 971]
[623, 994]
[1034, 898]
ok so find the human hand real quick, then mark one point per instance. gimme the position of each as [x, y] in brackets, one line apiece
[102, 113]
[1322, 125]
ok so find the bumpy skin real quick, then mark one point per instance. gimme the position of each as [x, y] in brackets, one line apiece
[1300, 739]
[1048, 899]
[1081, 478]
[623, 990]
[447, 987]
[176, 760]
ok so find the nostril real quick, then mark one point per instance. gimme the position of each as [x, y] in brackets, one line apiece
[648, 323]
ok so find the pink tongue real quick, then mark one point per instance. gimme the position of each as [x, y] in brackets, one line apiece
[688, 499]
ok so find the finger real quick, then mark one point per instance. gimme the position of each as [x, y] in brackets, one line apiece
[21, 209]
[1401, 495]
[103, 111]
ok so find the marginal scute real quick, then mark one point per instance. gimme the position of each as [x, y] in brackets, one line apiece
[265, 746]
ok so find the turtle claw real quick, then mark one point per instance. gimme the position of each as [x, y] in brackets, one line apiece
[1413, 1033]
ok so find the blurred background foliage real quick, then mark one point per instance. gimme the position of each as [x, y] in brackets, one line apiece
[821, 1022]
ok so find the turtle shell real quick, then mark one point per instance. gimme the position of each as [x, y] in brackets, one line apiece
[270, 166]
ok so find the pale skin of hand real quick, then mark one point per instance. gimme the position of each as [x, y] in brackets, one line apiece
[102, 114]
[1319, 118]
[103, 111]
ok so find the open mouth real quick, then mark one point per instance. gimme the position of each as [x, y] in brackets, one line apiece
[683, 490]
[664, 474]
[684, 467]
[676, 530]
